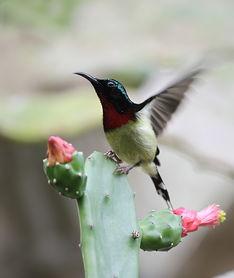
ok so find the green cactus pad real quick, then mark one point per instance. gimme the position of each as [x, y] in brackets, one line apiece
[161, 230]
[110, 239]
[68, 178]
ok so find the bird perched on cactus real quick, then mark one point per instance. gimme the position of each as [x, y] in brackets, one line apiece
[132, 129]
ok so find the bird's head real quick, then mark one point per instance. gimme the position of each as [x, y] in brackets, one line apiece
[110, 91]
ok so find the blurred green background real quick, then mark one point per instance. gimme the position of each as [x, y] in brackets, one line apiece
[142, 44]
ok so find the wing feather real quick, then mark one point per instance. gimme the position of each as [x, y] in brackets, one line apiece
[166, 102]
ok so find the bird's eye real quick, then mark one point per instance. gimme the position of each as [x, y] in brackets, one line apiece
[111, 84]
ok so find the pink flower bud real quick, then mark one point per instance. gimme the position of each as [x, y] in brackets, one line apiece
[191, 220]
[59, 150]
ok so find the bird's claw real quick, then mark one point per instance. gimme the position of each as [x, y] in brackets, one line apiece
[123, 169]
[112, 155]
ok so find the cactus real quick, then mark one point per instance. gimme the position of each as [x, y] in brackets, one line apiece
[110, 235]
[161, 230]
[109, 232]
[67, 178]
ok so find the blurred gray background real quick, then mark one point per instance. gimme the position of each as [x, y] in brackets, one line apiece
[142, 44]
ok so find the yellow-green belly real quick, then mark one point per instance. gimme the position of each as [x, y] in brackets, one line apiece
[134, 142]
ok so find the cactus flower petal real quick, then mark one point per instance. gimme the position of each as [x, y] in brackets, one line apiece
[211, 216]
[191, 220]
[59, 150]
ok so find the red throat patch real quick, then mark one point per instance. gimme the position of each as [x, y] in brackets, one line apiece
[113, 119]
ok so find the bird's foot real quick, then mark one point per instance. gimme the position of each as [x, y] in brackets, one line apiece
[124, 169]
[112, 155]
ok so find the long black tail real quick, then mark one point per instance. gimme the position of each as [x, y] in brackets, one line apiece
[161, 189]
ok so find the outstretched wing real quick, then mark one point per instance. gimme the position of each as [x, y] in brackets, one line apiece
[165, 103]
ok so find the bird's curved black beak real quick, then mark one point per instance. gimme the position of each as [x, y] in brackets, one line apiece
[97, 84]
[92, 80]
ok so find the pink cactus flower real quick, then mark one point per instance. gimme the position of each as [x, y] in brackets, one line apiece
[191, 220]
[59, 150]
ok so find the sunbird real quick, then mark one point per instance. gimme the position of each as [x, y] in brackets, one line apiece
[132, 129]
